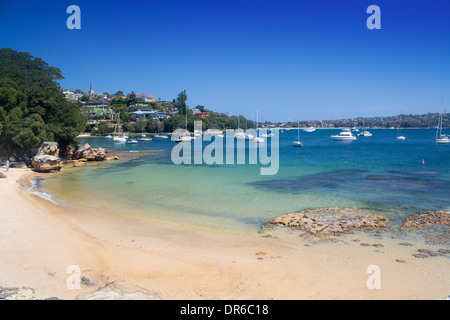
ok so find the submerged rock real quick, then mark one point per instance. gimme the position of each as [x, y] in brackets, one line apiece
[324, 222]
[426, 219]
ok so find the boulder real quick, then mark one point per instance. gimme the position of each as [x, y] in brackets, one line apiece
[48, 149]
[88, 153]
[45, 163]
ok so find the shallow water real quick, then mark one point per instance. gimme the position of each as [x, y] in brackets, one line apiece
[376, 172]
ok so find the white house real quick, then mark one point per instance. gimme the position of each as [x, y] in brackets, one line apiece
[145, 98]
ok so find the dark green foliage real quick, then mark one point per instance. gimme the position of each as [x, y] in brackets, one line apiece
[32, 106]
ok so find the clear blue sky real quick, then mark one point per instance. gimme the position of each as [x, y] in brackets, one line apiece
[286, 59]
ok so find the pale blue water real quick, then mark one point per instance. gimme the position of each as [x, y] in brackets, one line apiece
[375, 172]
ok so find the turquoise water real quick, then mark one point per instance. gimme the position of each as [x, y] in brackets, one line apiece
[375, 172]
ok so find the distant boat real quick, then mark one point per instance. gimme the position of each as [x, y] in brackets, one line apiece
[345, 135]
[364, 132]
[440, 137]
[257, 139]
[185, 137]
[239, 134]
[132, 141]
[109, 136]
[118, 136]
[399, 136]
[161, 136]
[309, 129]
[145, 139]
[297, 142]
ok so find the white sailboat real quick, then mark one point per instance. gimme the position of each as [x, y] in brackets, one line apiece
[440, 137]
[143, 136]
[186, 137]
[399, 136]
[118, 136]
[159, 135]
[257, 139]
[297, 142]
[364, 132]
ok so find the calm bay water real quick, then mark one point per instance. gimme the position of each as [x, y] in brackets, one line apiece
[375, 172]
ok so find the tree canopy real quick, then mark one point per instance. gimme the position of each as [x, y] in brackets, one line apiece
[33, 108]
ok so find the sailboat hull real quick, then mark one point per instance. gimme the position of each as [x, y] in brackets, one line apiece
[443, 141]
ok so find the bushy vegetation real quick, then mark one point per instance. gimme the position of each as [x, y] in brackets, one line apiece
[33, 108]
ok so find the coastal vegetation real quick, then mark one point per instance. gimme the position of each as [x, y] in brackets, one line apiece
[33, 108]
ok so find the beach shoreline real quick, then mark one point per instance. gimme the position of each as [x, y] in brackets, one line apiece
[41, 240]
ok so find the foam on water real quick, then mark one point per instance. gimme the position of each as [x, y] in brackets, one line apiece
[37, 188]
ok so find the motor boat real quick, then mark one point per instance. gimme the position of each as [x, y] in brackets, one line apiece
[345, 135]
[184, 138]
[309, 129]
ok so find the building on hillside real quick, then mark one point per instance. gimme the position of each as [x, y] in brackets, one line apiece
[201, 114]
[99, 112]
[70, 95]
[145, 98]
[144, 113]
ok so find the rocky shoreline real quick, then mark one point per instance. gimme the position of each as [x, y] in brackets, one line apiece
[47, 158]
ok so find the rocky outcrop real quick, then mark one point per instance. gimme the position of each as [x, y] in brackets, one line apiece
[91, 154]
[47, 158]
[325, 222]
[427, 219]
[48, 149]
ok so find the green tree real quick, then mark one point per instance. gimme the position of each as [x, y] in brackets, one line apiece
[181, 100]
[32, 106]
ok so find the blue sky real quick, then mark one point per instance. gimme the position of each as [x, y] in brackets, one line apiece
[286, 59]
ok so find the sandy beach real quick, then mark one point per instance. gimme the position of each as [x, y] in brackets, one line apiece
[40, 240]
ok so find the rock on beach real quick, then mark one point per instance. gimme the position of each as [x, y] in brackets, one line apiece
[326, 221]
